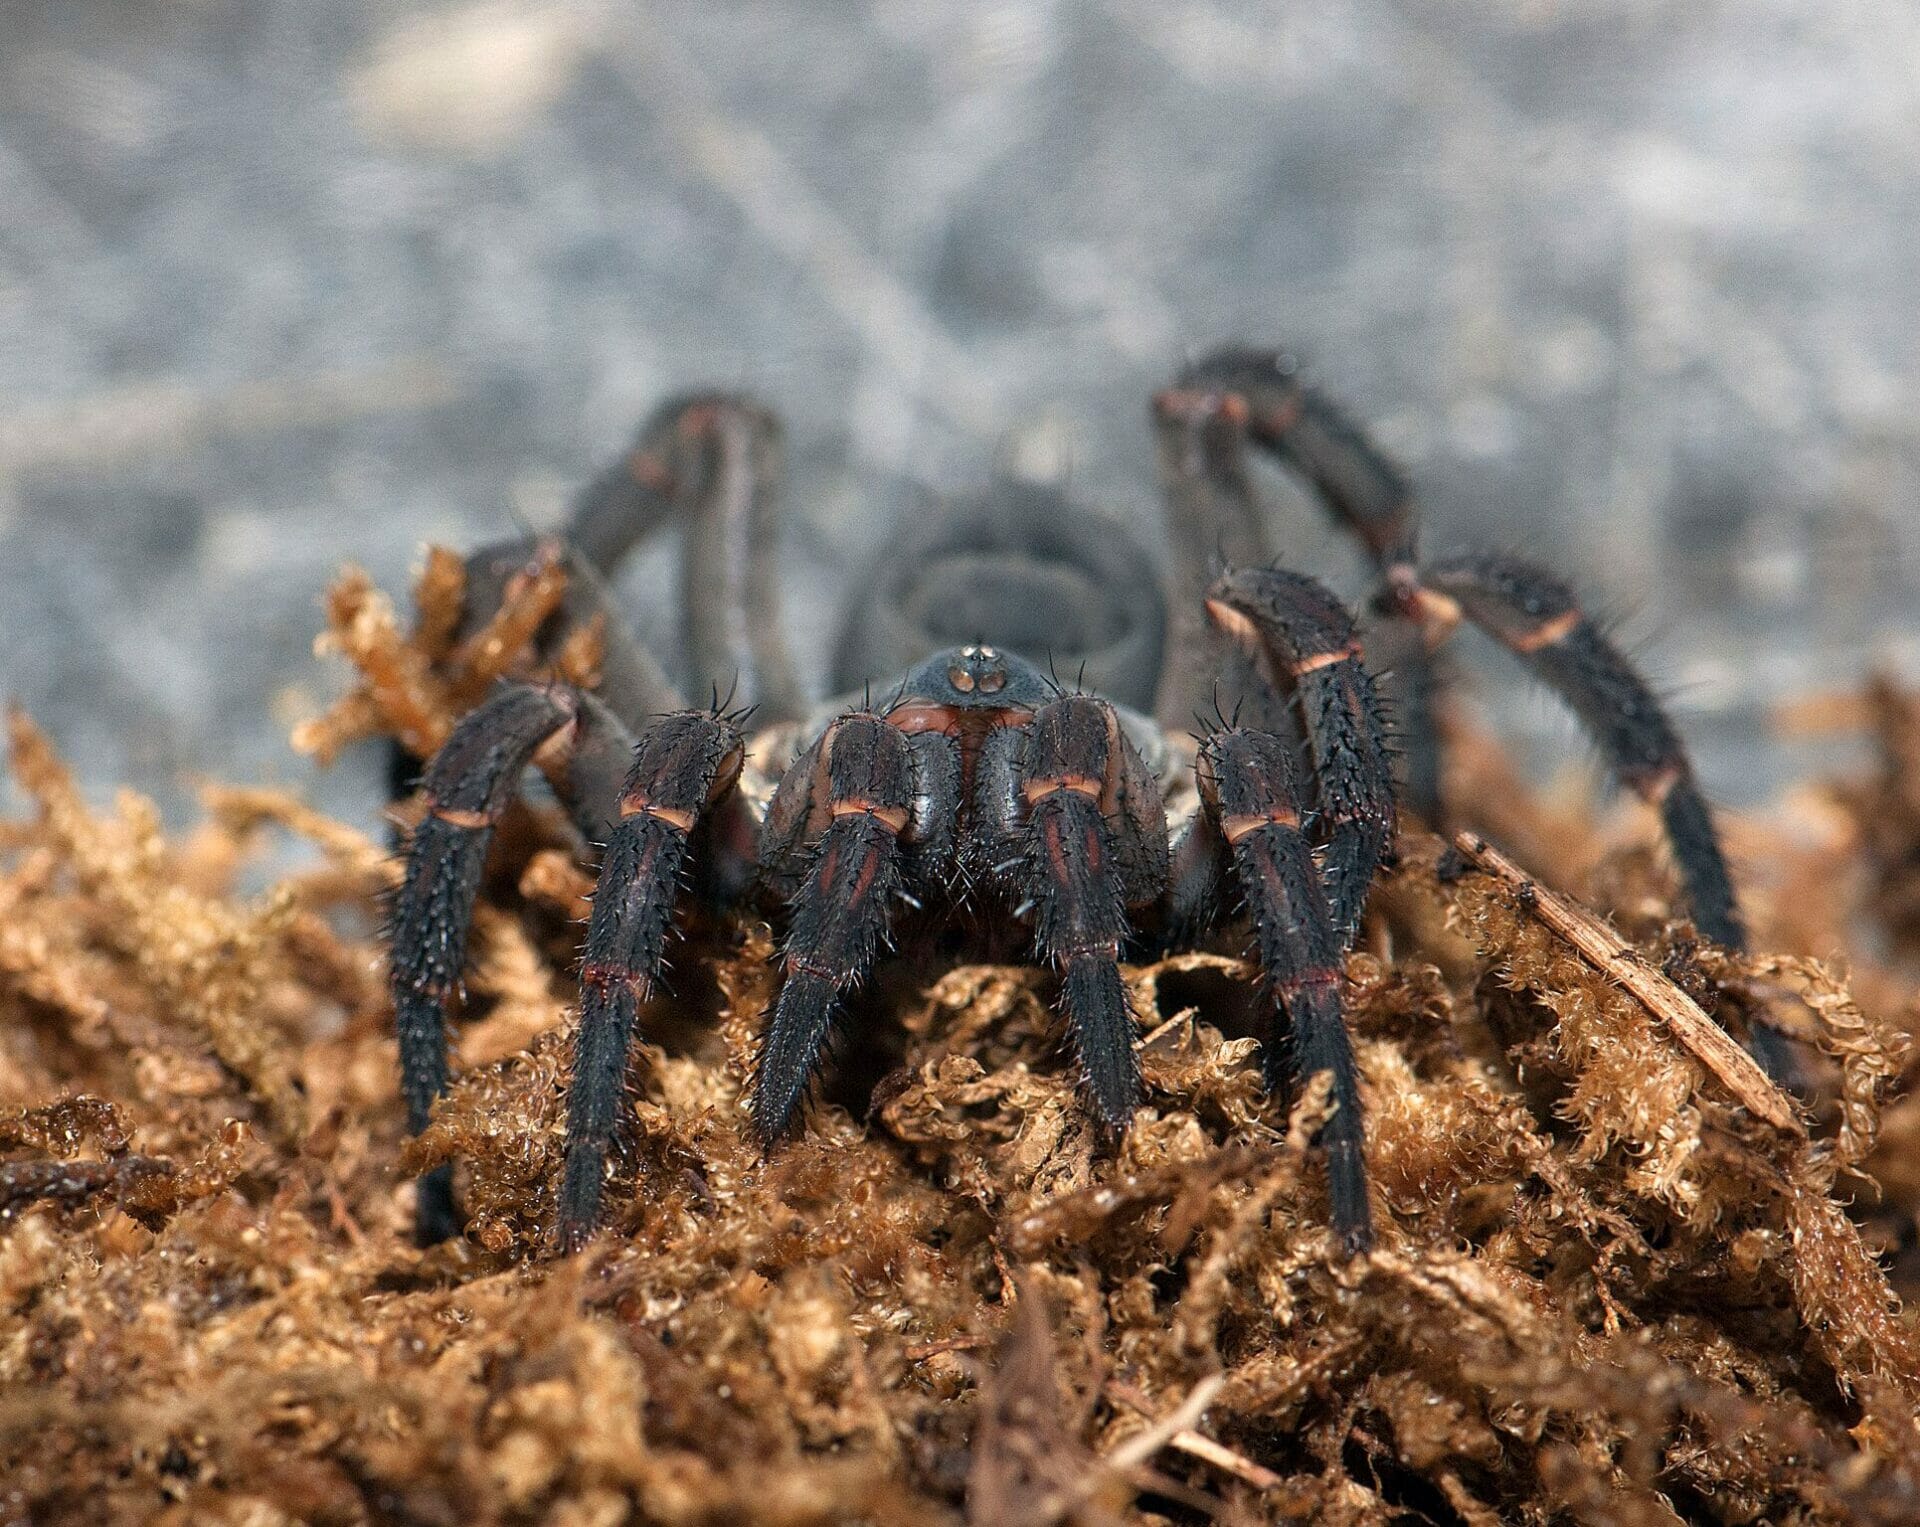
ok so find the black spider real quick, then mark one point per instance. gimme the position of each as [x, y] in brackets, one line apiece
[976, 777]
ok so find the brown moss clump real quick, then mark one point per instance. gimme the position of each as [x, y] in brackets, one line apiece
[1607, 1290]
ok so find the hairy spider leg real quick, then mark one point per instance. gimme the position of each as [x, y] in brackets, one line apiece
[1306, 640]
[1212, 521]
[713, 459]
[682, 765]
[1360, 486]
[1525, 607]
[729, 471]
[656, 479]
[1536, 617]
[1366, 494]
[1083, 818]
[631, 682]
[633, 496]
[1253, 805]
[835, 826]
[469, 784]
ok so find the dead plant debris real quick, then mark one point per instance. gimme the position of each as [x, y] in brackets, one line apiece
[1621, 1279]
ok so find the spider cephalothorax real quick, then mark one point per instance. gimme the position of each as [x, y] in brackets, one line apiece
[976, 778]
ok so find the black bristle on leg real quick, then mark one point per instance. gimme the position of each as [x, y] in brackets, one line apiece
[608, 1008]
[1536, 616]
[680, 765]
[468, 785]
[796, 1038]
[841, 917]
[432, 915]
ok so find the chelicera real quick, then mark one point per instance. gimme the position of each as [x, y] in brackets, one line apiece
[975, 785]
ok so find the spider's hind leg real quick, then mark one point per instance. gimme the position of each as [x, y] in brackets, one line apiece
[729, 469]
[1362, 488]
[631, 681]
[628, 501]
[1212, 520]
[1536, 617]
[713, 460]
[709, 458]
[632, 496]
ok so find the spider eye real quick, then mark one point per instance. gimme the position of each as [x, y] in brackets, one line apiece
[960, 679]
[993, 683]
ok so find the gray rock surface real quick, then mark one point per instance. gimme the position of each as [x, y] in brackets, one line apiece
[289, 282]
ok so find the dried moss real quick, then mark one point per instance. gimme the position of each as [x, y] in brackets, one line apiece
[1606, 1292]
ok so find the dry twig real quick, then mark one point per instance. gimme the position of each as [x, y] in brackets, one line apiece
[1702, 1038]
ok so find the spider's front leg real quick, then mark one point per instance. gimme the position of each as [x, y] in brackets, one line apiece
[1080, 834]
[1252, 807]
[857, 820]
[684, 765]
[468, 786]
[1302, 639]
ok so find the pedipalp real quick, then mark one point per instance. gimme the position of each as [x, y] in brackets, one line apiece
[1092, 840]
[858, 789]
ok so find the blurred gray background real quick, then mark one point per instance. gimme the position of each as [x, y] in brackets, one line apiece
[283, 283]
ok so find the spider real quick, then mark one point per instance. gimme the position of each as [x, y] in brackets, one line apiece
[977, 785]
